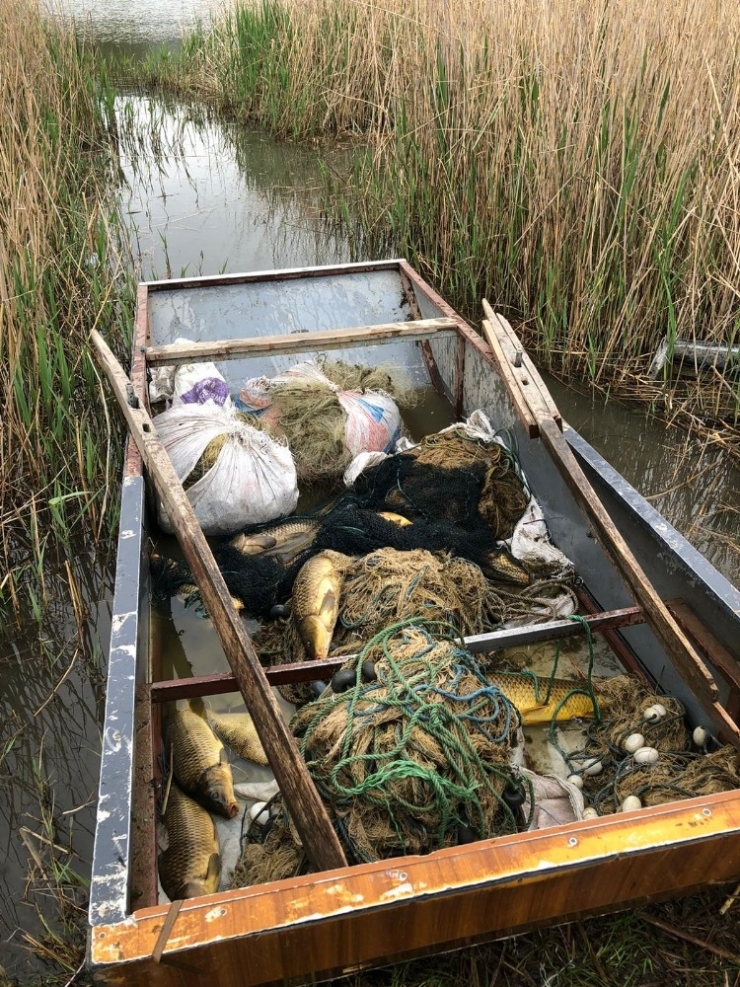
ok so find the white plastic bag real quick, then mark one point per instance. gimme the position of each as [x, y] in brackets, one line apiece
[190, 383]
[252, 480]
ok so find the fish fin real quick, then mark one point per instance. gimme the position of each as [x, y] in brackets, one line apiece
[535, 715]
[213, 874]
[328, 609]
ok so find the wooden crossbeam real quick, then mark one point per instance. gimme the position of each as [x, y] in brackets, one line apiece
[307, 671]
[298, 342]
[539, 406]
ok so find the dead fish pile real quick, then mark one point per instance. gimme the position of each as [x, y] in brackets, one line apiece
[191, 864]
[199, 760]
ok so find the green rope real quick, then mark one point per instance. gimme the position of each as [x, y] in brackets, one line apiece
[587, 691]
[423, 688]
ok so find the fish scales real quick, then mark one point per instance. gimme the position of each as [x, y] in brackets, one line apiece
[285, 540]
[199, 761]
[530, 695]
[237, 731]
[191, 864]
[502, 566]
[316, 594]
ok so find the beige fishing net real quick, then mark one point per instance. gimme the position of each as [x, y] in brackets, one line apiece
[414, 758]
[388, 586]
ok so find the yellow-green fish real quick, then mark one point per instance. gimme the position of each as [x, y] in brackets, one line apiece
[316, 594]
[522, 692]
[238, 732]
[199, 761]
[191, 864]
[285, 540]
[399, 519]
[501, 566]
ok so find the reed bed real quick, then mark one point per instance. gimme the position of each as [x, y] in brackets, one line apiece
[59, 276]
[573, 161]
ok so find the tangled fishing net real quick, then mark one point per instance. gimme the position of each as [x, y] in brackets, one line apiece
[388, 586]
[329, 411]
[414, 758]
[675, 776]
[631, 712]
[450, 476]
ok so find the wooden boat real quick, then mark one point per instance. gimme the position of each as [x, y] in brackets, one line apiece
[345, 918]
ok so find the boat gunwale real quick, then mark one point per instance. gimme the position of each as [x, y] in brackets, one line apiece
[539, 856]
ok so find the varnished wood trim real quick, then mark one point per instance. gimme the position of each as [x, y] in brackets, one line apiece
[379, 912]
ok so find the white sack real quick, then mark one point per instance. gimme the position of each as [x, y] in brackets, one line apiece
[556, 801]
[253, 479]
[191, 383]
[372, 419]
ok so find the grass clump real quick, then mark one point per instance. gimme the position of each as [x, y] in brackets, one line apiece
[60, 275]
[574, 162]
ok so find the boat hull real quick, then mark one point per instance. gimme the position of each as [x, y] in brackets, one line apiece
[334, 922]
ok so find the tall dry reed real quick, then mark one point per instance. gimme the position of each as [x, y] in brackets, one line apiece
[59, 276]
[574, 161]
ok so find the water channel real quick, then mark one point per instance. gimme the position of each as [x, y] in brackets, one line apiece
[201, 196]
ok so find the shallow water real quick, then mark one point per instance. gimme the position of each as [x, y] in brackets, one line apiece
[135, 26]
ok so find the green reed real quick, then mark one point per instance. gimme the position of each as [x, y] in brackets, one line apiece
[60, 275]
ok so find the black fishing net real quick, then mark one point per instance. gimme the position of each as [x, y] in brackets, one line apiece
[262, 581]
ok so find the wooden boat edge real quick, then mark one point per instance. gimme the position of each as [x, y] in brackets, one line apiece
[645, 855]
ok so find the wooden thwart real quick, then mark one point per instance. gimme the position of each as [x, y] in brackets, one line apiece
[323, 669]
[538, 405]
[306, 809]
[297, 342]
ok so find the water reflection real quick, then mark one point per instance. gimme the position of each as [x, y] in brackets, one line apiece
[203, 197]
[50, 707]
[131, 24]
[691, 483]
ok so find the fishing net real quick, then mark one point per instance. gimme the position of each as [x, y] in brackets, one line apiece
[638, 723]
[330, 411]
[270, 853]
[440, 501]
[673, 777]
[409, 757]
[450, 477]
[388, 586]
[262, 580]
[412, 757]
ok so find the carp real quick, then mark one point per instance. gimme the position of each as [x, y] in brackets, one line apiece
[285, 541]
[237, 731]
[501, 566]
[530, 697]
[200, 766]
[191, 864]
[316, 594]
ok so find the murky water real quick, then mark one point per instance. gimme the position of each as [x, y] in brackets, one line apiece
[203, 197]
[135, 26]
